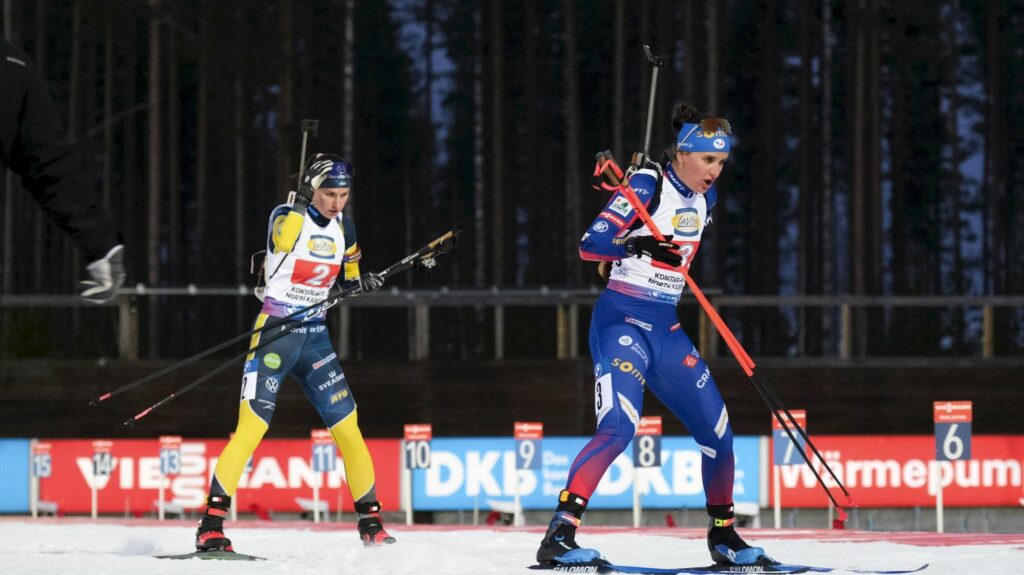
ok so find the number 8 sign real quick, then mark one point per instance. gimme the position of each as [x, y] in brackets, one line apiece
[647, 443]
[953, 430]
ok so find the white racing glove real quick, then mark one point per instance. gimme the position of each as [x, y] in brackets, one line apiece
[107, 277]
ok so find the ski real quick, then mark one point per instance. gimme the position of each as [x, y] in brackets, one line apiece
[605, 568]
[866, 571]
[214, 555]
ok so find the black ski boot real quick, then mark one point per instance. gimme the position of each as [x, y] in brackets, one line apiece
[725, 544]
[559, 543]
[371, 530]
[210, 535]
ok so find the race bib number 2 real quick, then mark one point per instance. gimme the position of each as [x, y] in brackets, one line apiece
[314, 274]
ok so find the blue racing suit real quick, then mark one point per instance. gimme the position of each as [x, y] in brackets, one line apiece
[636, 343]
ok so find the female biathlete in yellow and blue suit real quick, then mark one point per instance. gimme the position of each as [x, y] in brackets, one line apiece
[308, 244]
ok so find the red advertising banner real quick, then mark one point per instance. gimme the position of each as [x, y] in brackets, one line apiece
[528, 430]
[953, 411]
[321, 436]
[892, 471]
[799, 415]
[281, 472]
[649, 425]
[418, 431]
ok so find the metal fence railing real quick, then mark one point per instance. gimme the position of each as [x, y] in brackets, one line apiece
[420, 305]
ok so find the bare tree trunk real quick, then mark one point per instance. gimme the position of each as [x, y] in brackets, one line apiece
[287, 124]
[765, 275]
[40, 229]
[479, 178]
[807, 148]
[174, 211]
[8, 266]
[690, 52]
[573, 164]
[619, 79]
[873, 331]
[133, 217]
[996, 271]
[825, 214]
[497, 231]
[714, 260]
[202, 141]
[108, 113]
[239, 146]
[153, 169]
[713, 74]
[348, 90]
[858, 164]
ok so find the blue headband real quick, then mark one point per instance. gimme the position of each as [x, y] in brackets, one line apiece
[693, 139]
[340, 175]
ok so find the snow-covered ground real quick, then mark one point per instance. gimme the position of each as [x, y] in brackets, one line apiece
[127, 547]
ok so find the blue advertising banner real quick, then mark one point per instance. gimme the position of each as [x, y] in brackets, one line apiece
[480, 472]
[14, 475]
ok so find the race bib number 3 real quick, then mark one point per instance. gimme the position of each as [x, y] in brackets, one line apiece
[314, 274]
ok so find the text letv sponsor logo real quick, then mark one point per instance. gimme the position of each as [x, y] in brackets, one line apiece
[322, 247]
[686, 222]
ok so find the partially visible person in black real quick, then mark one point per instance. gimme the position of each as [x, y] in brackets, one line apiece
[33, 145]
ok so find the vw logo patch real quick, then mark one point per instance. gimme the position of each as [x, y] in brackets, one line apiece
[626, 340]
[272, 384]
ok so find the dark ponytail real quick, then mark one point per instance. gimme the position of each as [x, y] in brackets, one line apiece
[682, 113]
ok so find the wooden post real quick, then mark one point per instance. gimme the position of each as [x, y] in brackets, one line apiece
[128, 328]
[419, 346]
[574, 331]
[499, 332]
[344, 323]
[845, 331]
[561, 328]
[988, 333]
[708, 335]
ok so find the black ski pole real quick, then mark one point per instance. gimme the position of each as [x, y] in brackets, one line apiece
[275, 322]
[234, 360]
[424, 257]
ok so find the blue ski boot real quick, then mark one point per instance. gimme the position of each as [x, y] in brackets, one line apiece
[725, 544]
[559, 544]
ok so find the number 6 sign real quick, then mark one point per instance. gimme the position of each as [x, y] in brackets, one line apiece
[952, 430]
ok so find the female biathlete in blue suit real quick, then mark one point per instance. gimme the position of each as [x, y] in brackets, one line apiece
[636, 342]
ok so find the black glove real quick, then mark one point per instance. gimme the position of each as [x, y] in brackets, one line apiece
[314, 176]
[665, 252]
[107, 277]
[370, 281]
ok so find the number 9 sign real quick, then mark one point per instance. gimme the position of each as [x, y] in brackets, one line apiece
[528, 436]
[953, 430]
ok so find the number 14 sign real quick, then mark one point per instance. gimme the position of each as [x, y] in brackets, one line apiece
[953, 430]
